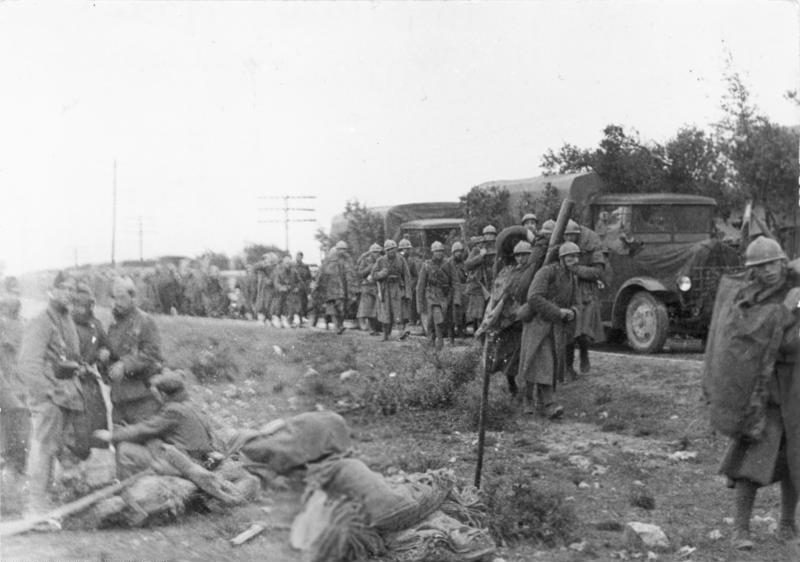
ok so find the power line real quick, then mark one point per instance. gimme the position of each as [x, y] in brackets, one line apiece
[286, 220]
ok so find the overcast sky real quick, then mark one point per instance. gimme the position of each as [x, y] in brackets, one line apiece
[206, 106]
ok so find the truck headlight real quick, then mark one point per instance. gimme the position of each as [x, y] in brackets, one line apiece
[684, 283]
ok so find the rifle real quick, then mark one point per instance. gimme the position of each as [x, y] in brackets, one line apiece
[21, 526]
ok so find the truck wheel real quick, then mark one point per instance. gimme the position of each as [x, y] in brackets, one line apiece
[646, 323]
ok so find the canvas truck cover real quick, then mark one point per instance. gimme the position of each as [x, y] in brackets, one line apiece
[580, 187]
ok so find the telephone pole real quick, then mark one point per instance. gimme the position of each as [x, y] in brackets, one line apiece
[114, 217]
[285, 209]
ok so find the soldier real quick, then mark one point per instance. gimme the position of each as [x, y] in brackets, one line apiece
[215, 294]
[437, 289]
[135, 348]
[95, 353]
[48, 364]
[530, 222]
[248, 289]
[339, 281]
[548, 324]
[589, 328]
[266, 288]
[304, 275]
[748, 463]
[367, 305]
[179, 441]
[510, 287]
[480, 275]
[394, 285]
[456, 320]
[286, 304]
[406, 250]
[14, 416]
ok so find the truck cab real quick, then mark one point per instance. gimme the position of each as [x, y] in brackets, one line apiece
[665, 264]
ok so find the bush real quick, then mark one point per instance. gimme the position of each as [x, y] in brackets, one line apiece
[499, 410]
[520, 510]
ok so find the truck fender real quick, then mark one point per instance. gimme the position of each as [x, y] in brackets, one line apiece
[624, 293]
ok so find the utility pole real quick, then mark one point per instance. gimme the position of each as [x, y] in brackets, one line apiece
[285, 209]
[114, 217]
[141, 253]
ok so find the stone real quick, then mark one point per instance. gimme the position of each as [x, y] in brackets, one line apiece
[348, 374]
[584, 485]
[686, 551]
[311, 372]
[715, 535]
[645, 535]
[579, 461]
[578, 546]
[278, 351]
[683, 456]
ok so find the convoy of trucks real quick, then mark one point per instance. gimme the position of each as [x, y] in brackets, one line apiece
[664, 253]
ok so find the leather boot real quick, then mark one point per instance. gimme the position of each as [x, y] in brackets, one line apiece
[571, 374]
[583, 348]
[527, 399]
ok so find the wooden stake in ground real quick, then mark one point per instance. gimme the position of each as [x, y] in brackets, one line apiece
[16, 527]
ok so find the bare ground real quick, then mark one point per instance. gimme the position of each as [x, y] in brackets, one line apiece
[612, 450]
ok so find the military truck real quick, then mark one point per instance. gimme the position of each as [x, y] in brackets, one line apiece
[665, 260]
[422, 223]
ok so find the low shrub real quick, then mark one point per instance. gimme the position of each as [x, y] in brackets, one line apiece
[500, 412]
[521, 510]
[215, 363]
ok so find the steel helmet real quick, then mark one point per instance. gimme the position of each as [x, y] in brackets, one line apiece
[529, 217]
[375, 248]
[341, 245]
[548, 226]
[405, 244]
[572, 227]
[763, 250]
[522, 247]
[457, 246]
[489, 229]
[437, 247]
[568, 249]
[390, 245]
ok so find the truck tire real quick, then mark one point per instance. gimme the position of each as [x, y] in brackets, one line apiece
[646, 323]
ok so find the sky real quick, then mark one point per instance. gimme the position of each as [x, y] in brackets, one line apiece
[210, 108]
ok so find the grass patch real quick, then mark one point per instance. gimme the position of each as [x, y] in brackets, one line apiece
[500, 413]
[519, 510]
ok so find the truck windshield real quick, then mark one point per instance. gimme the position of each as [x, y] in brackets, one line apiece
[688, 219]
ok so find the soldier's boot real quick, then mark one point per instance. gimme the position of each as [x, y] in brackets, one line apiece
[512, 384]
[404, 333]
[439, 343]
[571, 374]
[527, 399]
[787, 528]
[548, 408]
[387, 329]
[745, 491]
[375, 327]
[276, 322]
[583, 348]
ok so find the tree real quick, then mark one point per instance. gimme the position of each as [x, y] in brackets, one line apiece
[481, 207]
[364, 227]
[254, 252]
[761, 155]
[218, 259]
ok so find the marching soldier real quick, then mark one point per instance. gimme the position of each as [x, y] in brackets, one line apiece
[394, 285]
[589, 328]
[367, 305]
[414, 265]
[456, 319]
[304, 275]
[480, 275]
[438, 288]
[339, 281]
[548, 324]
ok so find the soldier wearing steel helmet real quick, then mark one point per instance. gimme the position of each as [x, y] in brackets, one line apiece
[368, 302]
[405, 249]
[339, 281]
[549, 318]
[508, 289]
[591, 273]
[394, 285]
[437, 289]
[531, 222]
[480, 275]
[750, 464]
[456, 320]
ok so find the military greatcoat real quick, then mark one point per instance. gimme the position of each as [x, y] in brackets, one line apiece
[394, 279]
